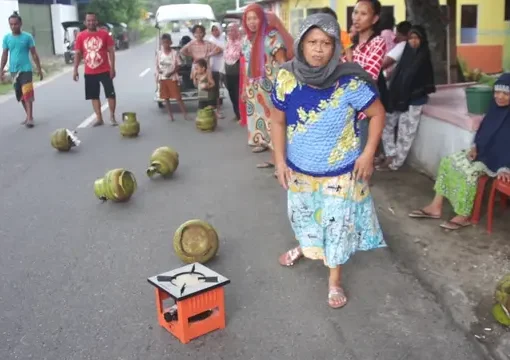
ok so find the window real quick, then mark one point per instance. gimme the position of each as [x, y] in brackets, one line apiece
[507, 10]
[312, 11]
[468, 24]
[350, 10]
[296, 19]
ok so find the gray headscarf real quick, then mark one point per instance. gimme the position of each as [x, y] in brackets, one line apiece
[325, 76]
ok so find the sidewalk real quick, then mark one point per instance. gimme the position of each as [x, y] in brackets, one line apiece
[460, 267]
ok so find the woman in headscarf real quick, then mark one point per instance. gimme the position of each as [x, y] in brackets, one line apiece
[410, 84]
[216, 62]
[318, 154]
[232, 55]
[267, 45]
[458, 174]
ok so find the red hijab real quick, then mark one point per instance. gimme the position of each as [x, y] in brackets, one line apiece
[268, 23]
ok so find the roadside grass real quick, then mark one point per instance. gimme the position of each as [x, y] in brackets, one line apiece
[5, 88]
[49, 68]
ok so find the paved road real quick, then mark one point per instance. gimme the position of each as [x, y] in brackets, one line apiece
[73, 271]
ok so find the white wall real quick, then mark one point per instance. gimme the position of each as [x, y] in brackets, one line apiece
[7, 7]
[434, 140]
[59, 14]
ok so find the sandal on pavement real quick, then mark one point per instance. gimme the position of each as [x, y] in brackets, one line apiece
[259, 149]
[98, 123]
[290, 257]
[265, 165]
[422, 214]
[453, 225]
[29, 124]
[336, 297]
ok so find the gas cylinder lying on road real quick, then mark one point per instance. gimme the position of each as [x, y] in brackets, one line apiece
[117, 185]
[129, 127]
[164, 161]
[196, 241]
[64, 139]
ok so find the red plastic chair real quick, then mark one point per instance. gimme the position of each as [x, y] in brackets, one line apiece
[504, 189]
[477, 208]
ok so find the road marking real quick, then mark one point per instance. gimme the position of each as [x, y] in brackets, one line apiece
[145, 72]
[88, 121]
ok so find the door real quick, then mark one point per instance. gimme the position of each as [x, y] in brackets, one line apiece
[37, 21]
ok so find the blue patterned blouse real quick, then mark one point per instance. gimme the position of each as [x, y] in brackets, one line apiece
[322, 130]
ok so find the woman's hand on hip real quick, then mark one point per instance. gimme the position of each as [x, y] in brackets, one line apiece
[283, 173]
[364, 167]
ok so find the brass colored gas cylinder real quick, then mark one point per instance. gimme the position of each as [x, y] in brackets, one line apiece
[164, 161]
[63, 139]
[206, 119]
[130, 127]
[117, 185]
[196, 241]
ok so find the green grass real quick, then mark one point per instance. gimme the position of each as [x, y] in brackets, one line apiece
[5, 88]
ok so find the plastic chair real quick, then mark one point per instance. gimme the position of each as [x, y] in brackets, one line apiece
[477, 208]
[504, 189]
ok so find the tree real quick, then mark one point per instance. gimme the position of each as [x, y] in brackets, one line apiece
[428, 14]
[116, 10]
[220, 7]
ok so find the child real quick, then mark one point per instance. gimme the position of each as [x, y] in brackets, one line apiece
[167, 65]
[204, 82]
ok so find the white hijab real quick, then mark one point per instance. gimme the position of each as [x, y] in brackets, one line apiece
[216, 62]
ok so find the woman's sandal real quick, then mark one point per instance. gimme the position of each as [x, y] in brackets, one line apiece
[290, 257]
[259, 149]
[336, 297]
[265, 165]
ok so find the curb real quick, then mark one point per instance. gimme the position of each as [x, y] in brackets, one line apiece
[453, 300]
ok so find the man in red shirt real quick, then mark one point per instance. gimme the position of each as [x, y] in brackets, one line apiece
[97, 49]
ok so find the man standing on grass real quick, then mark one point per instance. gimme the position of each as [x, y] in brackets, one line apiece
[97, 49]
[17, 46]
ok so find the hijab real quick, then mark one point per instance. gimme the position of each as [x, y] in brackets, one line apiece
[216, 61]
[491, 139]
[413, 76]
[232, 51]
[327, 75]
[268, 23]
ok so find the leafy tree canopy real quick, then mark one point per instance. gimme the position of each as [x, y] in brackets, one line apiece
[116, 10]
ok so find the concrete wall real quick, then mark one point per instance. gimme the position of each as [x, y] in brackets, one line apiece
[59, 14]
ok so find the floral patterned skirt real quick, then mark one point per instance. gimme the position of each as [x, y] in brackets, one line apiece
[258, 110]
[457, 180]
[333, 217]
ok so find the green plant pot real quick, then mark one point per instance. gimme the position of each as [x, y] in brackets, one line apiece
[478, 98]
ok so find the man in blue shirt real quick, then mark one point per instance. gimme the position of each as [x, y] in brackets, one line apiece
[18, 45]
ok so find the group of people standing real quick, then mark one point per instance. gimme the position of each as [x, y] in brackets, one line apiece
[320, 104]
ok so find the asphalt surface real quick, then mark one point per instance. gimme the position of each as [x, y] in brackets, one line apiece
[73, 270]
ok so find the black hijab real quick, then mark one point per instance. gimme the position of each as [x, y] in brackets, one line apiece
[413, 77]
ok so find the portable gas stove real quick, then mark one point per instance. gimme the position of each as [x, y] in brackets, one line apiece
[199, 299]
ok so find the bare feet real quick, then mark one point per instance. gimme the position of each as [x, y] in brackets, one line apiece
[29, 124]
[98, 123]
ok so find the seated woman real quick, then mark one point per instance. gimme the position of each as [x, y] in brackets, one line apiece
[458, 173]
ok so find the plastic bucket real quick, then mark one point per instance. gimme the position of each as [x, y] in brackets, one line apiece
[478, 98]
